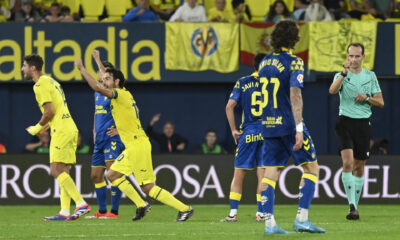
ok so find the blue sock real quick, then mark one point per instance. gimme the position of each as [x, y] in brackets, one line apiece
[115, 199]
[268, 200]
[101, 193]
[306, 193]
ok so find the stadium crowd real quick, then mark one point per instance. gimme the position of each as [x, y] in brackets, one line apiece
[195, 10]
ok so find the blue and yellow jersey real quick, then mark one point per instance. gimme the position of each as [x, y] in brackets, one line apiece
[48, 90]
[104, 118]
[243, 92]
[278, 72]
[126, 116]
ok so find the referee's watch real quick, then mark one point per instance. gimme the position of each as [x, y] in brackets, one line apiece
[343, 74]
[368, 97]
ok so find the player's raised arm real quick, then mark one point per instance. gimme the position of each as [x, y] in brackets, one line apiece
[96, 86]
[96, 57]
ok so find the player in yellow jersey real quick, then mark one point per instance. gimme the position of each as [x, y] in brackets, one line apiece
[136, 158]
[64, 135]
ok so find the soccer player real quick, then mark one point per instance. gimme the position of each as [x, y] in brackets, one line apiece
[108, 146]
[136, 158]
[279, 103]
[249, 149]
[359, 90]
[64, 135]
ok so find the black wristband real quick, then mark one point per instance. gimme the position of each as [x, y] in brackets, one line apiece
[343, 74]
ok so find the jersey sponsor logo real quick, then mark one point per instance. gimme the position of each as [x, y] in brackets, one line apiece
[204, 41]
[272, 121]
[254, 138]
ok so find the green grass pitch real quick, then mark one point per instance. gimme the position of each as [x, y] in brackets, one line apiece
[25, 222]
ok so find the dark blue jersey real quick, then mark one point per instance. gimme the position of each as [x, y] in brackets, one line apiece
[242, 93]
[104, 118]
[278, 72]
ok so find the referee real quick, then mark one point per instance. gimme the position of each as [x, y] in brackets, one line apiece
[358, 90]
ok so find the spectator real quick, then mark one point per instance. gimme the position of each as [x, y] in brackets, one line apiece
[220, 13]
[141, 13]
[277, 11]
[300, 6]
[42, 146]
[241, 11]
[44, 5]
[165, 8]
[3, 149]
[168, 141]
[361, 7]
[379, 147]
[384, 8]
[211, 146]
[190, 11]
[81, 148]
[54, 13]
[337, 8]
[5, 12]
[65, 15]
[27, 13]
[316, 11]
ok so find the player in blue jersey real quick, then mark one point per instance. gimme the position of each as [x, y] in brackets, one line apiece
[249, 140]
[108, 146]
[279, 103]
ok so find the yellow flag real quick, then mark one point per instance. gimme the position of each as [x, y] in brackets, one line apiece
[329, 41]
[202, 46]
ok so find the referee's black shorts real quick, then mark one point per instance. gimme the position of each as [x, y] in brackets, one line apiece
[354, 134]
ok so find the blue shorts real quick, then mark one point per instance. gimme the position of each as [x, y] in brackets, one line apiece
[106, 151]
[249, 151]
[278, 150]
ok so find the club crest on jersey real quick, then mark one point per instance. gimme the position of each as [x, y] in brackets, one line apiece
[204, 41]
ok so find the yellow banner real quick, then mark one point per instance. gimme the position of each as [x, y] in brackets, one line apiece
[199, 47]
[329, 41]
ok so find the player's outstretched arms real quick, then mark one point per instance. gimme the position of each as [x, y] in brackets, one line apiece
[96, 86]
[230, 114]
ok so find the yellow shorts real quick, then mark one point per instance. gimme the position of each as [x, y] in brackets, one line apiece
[63, 147]
[136, 159]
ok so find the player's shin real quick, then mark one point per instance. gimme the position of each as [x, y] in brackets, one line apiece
[115, 199]
[68, 184]
[349, 186]
[358, 186]
[306, 196]
[166, 197]
[65, 201]
[101, 194]
[268, 201]
[125, 186]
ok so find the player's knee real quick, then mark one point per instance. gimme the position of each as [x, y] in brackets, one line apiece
[97, 178]
[147, 187]
[111, 176]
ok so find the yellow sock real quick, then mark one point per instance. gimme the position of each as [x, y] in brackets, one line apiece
[129, 191]
[166, 197]
[68, 184]
[65, 200]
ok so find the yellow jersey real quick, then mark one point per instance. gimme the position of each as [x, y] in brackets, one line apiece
[49, 90]
[126, 116]
[225, 16]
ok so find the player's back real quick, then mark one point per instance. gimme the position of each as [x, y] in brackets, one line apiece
[126, 116]
[245, 93]
[49, 90]
[278, 73]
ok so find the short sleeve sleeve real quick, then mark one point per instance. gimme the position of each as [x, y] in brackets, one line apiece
[336, 76]
[42, 92]
[375, 88]
[236, 92]
[296, 72]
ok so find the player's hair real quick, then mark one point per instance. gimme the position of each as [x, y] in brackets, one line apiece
[211, 131]
[170, 123]
[356, 44]
[285, 34]
[107, 64]
[257, 60]
[117, 74]
[34, 60]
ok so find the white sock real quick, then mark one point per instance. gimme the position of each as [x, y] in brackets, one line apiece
[302, 214]
[269, 220]
[233, 212]
[64, 212]
[81, 204]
